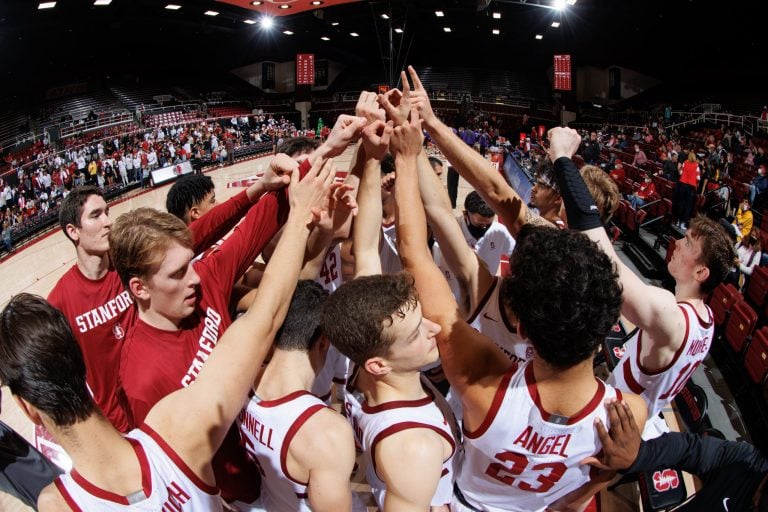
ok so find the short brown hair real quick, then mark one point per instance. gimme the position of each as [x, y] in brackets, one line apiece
[140, 238]
[603, 190]
[71, 209]
[717, 252]
[354, 316]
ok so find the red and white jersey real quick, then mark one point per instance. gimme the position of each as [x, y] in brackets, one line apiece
[330, 273]
[268, 427]
[333, 371]
[390, 259]
[168, 484]
[490, 319]
[522, 458]
[372, 424]
[659, 387]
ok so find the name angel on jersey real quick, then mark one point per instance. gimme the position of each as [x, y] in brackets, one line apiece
[104, 313]
[533, 442]
[207, 343]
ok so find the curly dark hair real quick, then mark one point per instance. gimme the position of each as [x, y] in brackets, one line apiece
[717, 251]
[565, 291]
[387, 164]
[473, 203]
[355, 315]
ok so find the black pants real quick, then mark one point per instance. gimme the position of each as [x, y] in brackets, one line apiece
[24, 472]
[453, 185]
[683, 201]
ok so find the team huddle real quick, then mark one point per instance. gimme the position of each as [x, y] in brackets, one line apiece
[169, 371]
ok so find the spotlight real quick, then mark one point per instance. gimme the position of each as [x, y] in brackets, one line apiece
[266, 22]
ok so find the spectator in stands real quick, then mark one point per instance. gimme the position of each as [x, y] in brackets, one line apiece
[741, 226]
[591, 149]
[669, 168]
[748, 256]
[640, 157]
[7, 240]
[645, 194]
[685, 192]
[760, 158]
[617, 173]
[759, 183]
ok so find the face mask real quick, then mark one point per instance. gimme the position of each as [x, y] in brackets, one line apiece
[477, 231]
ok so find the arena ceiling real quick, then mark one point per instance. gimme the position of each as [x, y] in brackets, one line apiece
[669, 39]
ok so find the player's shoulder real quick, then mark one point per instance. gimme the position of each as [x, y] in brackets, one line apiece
[51, 500]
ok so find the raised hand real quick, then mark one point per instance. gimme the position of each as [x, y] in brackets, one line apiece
[339, 207]
[397, 104]
[279, 170]
[309, 196]
[376, 138]
[407, 139]
[562, 142]
[420, 99]
[368, 108]
[346, 130]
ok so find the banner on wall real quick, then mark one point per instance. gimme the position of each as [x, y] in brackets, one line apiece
[170, 173]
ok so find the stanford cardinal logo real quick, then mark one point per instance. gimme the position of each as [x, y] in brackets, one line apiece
[619, 351]
[118, 331]
[665, 480]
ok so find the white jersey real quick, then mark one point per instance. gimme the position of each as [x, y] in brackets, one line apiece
[167, 483]
[330, 274]
[522, 458]
[490, 319]
[268, 427]
[495, 243]
[333, 371]
[659, 387]
[390, 259]
[371, 424]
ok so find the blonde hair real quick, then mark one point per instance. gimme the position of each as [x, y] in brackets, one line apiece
[139, 240]
[603, 190]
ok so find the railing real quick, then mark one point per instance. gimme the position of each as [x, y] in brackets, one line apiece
[146, 109]
[114, 119]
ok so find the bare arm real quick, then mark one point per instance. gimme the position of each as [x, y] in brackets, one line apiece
[194, 420]
[651, 308]
[502, 198]
[411, 479]
[472, 275]
[467, 356]
[367, 229]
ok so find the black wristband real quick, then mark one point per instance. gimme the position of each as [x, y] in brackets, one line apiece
[579, 204]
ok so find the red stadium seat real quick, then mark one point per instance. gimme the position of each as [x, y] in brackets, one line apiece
[756, 356]
[757, 289]
[740, 325]
[722, 301]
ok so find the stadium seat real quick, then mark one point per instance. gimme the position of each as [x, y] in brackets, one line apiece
[757, 289]
[740, 326]
[756, 356]
[722, 301]
[692, 405]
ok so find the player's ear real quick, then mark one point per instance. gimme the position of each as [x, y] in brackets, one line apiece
[377, 366]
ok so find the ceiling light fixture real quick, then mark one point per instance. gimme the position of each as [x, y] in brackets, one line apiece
[571, 2]
[325, 38]
[266, 22]
[439, 14]
[46, 5]
[211, 13]
[539, 36]
[497, 15]
[446, 29]
[250, 22]
[102, 2]
[335, 24]
[555, 24]
[256, 3]
[285, 6]
[288, 32]
[354, 34]
[316, 2]
[496, 31]
[385, 16]
[559, 5]
[173, 7]
[399, 30]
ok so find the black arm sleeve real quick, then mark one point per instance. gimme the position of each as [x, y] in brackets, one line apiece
[579, 204]
[695, 454]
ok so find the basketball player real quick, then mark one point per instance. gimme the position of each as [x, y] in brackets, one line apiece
[165, 465]
[288, 430]
[528, 427]
[675, 330]
[376, 321]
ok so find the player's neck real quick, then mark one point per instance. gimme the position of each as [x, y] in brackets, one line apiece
[287, 372]
[688, 292]
[92, 266]
[388, 212]
[101, 454]
[564, 391]
[394, 387]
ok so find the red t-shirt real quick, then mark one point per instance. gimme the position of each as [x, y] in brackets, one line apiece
[690, 174]
[156, 362]
[99, 313]
[618, 174]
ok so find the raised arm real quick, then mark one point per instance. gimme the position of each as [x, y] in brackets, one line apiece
[653, 309]
[194, 420]
[507, 203]
[366, 231]
[467, 356]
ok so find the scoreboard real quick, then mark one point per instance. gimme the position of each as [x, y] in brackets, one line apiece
[305, 69]
[563, 72]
